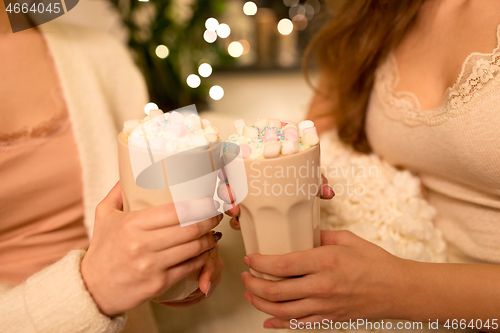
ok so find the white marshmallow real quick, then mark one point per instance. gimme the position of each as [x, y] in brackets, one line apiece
[261, 122]
[211, 137]
[275, 123]
[289, 147]
[176, 117]
[305, 124]
[310, 139]
[130, 125]
[158, 144]
[199, 140]
[272, 150]
[205, 122]
[250, 132]
[193, 120]
[210, 129]
[155, 113]
[290, 125]
[238, 126]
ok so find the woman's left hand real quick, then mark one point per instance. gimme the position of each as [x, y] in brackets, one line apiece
[345, 278]
[210, 278]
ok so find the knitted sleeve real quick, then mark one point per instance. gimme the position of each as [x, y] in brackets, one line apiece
[54, 300]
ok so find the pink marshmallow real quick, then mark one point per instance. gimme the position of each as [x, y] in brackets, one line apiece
[176, 117]
[291, 134]
[271, 135]
[246, 151]
[158, 144]
[177, 130]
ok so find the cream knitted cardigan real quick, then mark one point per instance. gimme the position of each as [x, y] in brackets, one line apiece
[102, 88]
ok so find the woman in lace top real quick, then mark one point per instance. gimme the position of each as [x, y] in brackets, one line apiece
[416, 82]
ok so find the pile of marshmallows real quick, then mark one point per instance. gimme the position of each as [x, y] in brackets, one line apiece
[276, 136]
[170, 131]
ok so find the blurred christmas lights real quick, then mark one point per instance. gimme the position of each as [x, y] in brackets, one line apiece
[193, 81]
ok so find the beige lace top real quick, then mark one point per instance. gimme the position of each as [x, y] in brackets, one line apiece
[454, 148]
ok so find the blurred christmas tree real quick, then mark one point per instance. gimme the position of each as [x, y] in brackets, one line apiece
[167, 40]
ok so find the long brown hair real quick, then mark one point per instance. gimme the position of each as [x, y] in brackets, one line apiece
[356, 40]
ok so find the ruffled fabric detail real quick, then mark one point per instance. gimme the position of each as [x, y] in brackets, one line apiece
[379, 203]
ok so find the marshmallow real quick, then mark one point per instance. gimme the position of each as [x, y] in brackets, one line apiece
[205, 122]
[261, 123]
[172, 145]
[310, 130]
[158, 143]
[246, 151]
[210, 129]
[155, 113]
[310, 139]
[130, 125]
[289, 147]
[272, 149]
[211, 137]
[305, 124]
[271, 135]
[176, 117]
[199, 140]
[291, 134]
[139, 142]
[193, 121]
[250, 132]
[176, 130]
[275, 123]
[238, 126]
[290, 126]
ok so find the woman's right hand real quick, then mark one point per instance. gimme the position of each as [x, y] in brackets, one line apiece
[138, 255]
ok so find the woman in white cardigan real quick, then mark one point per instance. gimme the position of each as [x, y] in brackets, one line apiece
[57, 164]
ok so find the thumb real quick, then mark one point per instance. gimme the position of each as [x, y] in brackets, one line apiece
[337, 237]
[113, 200]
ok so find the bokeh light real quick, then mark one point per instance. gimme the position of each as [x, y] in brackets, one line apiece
[193, 81]
[149, 107]
[246, 45]
[285, 27]
[162, 51]
[299, 22]
[210, 36]
[250, 8]
[235, 49]
[290, 3]
[205, 70]
[223, 31]
[216, 92]
[211, 24]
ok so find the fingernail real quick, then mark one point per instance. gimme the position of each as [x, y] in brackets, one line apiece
[209, 289]
[248, 297]
[242, 277]
[217, 236]
[246, 260]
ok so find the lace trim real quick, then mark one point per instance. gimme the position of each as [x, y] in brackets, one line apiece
[56, 124]
[478, 79]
